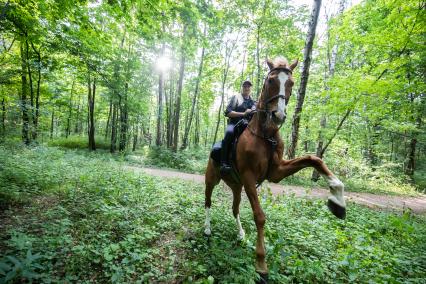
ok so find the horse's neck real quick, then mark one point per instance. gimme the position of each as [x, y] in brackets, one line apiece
[258, 125]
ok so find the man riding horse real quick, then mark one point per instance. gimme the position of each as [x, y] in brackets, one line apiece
[259, 157]
[240, 106]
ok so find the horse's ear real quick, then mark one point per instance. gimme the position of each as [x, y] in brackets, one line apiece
[270, 64]
[294, 64]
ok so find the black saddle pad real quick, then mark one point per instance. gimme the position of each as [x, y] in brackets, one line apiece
[215, 152]
[238, 130]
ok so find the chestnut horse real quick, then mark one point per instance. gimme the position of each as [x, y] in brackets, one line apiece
[258, 160]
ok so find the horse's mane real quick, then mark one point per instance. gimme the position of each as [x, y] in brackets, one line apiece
[280, 61]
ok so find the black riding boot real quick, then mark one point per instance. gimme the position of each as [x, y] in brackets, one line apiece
[225, 167]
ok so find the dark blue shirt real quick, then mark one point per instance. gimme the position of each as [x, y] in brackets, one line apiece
[233, 105]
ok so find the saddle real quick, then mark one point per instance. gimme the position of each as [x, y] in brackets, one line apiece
[217, 147]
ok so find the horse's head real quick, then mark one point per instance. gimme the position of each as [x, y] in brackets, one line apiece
[277, 89]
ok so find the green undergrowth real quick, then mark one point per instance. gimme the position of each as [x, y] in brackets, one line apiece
[380, 183]
[192, 160]
[74, 216]
[78, 142]
[357, 176]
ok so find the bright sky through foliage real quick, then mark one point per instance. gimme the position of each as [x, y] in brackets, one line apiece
[163, 64]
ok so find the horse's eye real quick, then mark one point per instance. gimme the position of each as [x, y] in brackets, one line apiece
[270, 81]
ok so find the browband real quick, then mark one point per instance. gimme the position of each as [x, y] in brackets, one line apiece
[285, 69]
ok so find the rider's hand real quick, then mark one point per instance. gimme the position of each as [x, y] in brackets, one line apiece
[247, 112]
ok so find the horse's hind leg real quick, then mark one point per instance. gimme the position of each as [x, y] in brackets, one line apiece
[236, 191]
[212, 178]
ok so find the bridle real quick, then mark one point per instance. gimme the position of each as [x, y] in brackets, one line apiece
[266, 102]
[284, 69]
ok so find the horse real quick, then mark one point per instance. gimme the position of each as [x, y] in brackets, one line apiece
[259, 157]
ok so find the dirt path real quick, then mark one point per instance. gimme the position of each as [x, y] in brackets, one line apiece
[416, 204]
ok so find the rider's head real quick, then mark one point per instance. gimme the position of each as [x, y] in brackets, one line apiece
[246, 88]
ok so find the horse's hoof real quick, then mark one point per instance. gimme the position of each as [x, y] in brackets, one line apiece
[263, 278]
[337, 210]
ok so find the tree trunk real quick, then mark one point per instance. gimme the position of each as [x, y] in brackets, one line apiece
[91, 108]
[37, 99]
[123, 120]
[228, 53]
[259, 26]
[30, 78]
[24, 90]
[52, 122]
[411, 165]
[3, 117]
[77, 118]
[320, 153]
[304, 78]
[219, 115]
[108, 120]
[135, 134]
[178, 96]
[315, 174]
[244, 63]
[113, 128]
[197, 126]
[258, 60]
[158, 140]
[169, 113]
[331, 68]
[194, 99]
[68, 129]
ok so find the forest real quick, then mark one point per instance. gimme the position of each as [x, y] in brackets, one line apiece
[92, 92]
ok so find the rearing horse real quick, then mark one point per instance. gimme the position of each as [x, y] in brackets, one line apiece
[257, 160]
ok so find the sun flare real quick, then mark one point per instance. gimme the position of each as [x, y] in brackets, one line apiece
[163, 64]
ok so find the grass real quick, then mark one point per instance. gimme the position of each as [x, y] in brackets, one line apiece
[75, 216]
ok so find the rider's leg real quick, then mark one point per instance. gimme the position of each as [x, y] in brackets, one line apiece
[224, 154]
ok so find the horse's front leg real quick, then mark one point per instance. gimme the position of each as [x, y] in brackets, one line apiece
[336, 202]
[259, 218]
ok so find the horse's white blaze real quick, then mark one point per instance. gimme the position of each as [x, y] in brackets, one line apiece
[281, 102]
[241, 234]
[207, 229]
[337, 189]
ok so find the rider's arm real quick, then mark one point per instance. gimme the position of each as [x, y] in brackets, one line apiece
[230, 112]
[233, 114]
